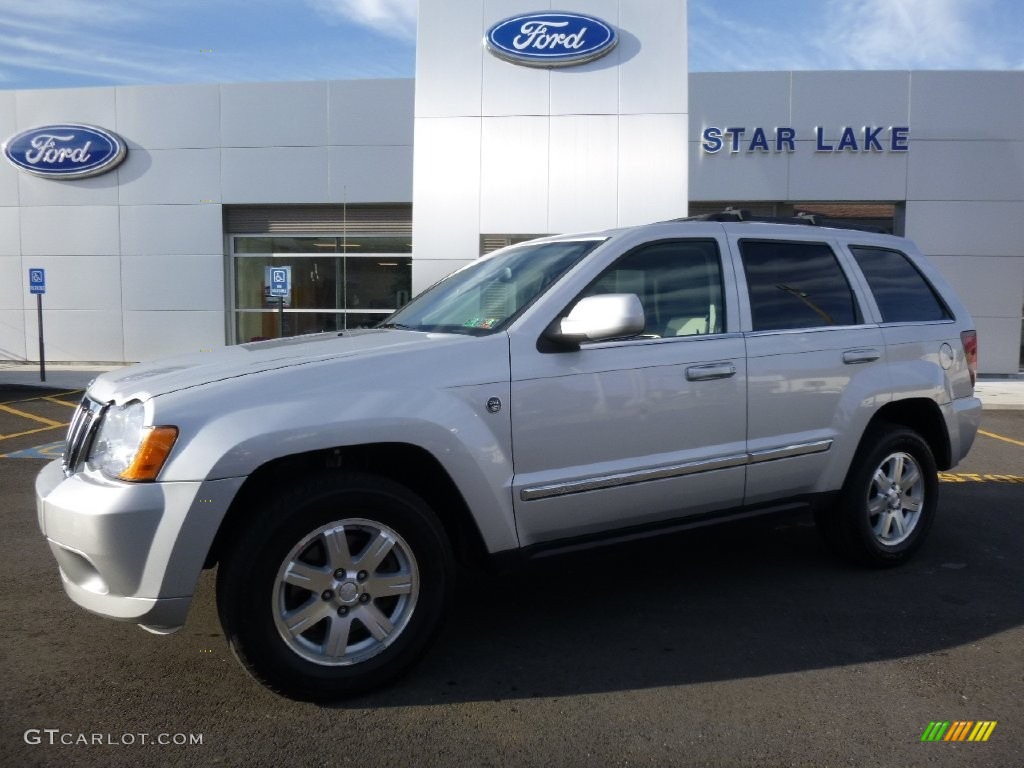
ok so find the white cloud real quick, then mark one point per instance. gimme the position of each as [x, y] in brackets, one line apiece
[94, 58]
[724, 39]
[59, 14]
[89, 40]
[51, 43]
[727, 35]
[396, 18]
[910, 34]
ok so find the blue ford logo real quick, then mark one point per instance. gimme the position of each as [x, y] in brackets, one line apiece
[550, 39]
[66, 151]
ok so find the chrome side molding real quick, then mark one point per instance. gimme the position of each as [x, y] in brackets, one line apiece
[601, 482]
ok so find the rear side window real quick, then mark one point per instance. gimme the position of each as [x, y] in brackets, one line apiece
[902, 293]
[796, 285]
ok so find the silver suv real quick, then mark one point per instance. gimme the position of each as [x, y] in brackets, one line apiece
[569, 390]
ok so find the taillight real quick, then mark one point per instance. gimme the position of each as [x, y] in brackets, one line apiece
[970, 342]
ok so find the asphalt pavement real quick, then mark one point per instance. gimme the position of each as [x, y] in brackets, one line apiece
[745, 645]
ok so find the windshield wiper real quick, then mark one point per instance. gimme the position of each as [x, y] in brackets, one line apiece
[398, 326]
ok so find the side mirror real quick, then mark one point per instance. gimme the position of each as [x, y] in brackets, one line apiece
[599, 318]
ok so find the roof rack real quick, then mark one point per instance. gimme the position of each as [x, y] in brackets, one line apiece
[804, 219]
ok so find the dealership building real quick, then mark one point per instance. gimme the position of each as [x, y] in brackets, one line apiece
[364, 192]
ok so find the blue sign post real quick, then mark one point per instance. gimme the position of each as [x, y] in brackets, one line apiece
[37, 285]
[279, 280]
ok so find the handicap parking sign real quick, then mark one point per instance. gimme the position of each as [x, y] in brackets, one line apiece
[37, 281]
[279, 279]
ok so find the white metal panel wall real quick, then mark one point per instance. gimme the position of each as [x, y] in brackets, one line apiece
[135, 257]
[502, 148]
[8, 174]
[966, 197]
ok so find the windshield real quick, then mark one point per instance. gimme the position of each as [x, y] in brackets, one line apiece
[486, 295]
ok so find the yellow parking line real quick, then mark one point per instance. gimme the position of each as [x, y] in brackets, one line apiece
[1000, 437]
[32, 416]
[60, 402]
[44, 397]
[974, 477]
[32, 432]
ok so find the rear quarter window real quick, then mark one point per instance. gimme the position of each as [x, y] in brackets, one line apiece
[902, 293]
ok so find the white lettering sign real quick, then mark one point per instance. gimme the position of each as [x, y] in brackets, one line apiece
[535, 35]
[45, 150]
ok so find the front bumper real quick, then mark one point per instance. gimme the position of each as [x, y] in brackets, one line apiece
[130, 551]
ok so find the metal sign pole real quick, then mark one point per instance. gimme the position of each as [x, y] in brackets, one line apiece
[42, 347]
[280, 281]
[37, 285]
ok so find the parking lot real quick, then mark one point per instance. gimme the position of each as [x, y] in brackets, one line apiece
[742, 645]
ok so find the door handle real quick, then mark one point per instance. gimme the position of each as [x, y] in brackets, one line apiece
[710, 371]
[854, 356]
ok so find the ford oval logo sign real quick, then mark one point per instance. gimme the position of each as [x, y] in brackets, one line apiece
[65, 151]
[550, 39]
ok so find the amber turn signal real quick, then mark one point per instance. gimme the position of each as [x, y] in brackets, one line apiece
[153, 452]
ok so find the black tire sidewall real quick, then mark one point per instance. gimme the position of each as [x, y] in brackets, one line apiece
[247, 576]
[857, 536]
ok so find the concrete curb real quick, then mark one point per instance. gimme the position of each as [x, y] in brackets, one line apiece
[1001, 394]
[58, 377]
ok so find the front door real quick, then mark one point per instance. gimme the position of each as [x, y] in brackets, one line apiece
[641, 430]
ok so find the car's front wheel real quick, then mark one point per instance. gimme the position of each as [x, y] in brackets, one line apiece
[336, 587]
[888, 501]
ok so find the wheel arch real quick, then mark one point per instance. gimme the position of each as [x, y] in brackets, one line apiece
[409, 465]
[924, 417]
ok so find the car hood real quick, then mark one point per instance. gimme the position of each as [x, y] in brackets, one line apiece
[146, 380]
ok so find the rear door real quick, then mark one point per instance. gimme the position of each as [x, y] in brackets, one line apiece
[816, 368]
[634, 431]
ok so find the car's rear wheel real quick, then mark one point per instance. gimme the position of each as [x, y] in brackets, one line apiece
[888, 501]
[336, 587]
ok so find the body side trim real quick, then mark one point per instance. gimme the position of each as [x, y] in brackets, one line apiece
[674, 470]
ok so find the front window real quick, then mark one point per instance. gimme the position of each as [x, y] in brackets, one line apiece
[679, 283]
[486, 295]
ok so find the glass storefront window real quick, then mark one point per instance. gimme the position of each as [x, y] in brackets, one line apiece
[377, 283]
[354, 244]
[367, 245]
[286, 244]
[337, 283]
[316, 282]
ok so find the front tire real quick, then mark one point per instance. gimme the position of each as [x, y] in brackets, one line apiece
[336, 587]
[888, 501]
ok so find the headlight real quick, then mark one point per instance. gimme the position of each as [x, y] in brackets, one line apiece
[126, 449]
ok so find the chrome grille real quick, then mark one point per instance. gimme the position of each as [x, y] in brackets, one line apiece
[80, 434]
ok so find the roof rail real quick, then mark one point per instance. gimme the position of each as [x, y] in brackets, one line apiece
[742, 214]
[804, 219]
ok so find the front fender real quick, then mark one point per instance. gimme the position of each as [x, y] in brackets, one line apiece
[452, 424]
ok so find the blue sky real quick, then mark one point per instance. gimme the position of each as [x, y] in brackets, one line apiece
[62, 43]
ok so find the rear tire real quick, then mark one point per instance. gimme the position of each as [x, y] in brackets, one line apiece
[888, 502]
[336, 587]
